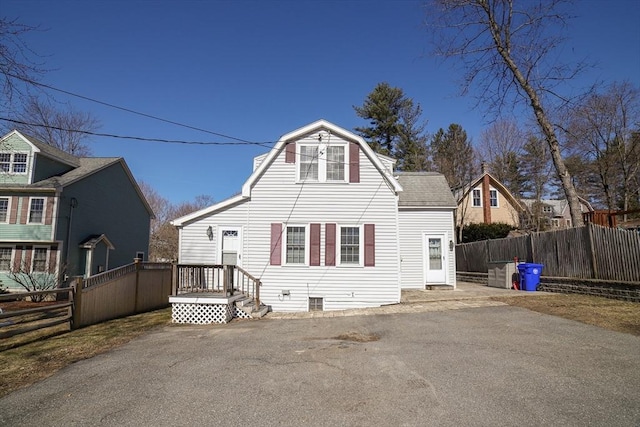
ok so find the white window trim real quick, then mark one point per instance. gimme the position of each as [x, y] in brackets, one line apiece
[33, 259]
[12, 162]
[44, 210]
[497, 198]
[8, 210]
[339, 262]
[307, 240]
[13, 256]
[322, 163]
[473, 198]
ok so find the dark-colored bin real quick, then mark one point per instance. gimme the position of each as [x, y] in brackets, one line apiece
[529, 276]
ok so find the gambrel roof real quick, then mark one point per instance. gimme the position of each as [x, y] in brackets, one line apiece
[279, 147]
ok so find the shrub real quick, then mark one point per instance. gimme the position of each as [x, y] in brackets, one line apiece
[476, 232]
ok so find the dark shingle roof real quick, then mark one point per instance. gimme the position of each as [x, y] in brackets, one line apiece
[427, 189]
[53, 152]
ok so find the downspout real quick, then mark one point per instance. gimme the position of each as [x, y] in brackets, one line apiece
[73, 203]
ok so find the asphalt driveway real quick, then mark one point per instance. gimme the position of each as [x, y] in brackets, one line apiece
[494, 365]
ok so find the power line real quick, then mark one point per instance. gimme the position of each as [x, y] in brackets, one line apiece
[128, 110]
[140, 138]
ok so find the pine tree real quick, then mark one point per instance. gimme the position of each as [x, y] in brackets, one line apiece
[395, 127]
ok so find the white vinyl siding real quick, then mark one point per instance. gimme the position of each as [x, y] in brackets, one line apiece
[414, 223]
[195, 246]
[278, 197]
[368, 202]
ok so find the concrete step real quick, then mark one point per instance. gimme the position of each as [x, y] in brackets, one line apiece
[439, 288]
[248, 306]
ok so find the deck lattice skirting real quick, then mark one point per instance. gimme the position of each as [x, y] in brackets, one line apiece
[204, 309]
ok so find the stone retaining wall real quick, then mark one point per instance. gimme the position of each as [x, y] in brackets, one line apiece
[627, 291]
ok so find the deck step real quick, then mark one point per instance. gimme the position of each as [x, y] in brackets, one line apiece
[248, 305]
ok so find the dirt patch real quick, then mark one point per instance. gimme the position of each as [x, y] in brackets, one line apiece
[8, 306]
[615, 315]
[357, 337]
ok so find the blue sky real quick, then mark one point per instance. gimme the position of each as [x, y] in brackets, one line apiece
[256, 70]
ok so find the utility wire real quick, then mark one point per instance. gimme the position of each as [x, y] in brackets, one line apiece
[140, 138]
[128, 110]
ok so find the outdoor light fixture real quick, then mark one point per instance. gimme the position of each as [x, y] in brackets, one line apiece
[210, 233]
[451, 245]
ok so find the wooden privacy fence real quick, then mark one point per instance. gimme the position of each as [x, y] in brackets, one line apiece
[589, 252]
[131, 289]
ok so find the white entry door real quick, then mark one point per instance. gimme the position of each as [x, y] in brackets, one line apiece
[230, 252]
[435, 259]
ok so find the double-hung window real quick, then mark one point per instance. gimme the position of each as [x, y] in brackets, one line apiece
[13, 162]
[477, 199]
[308, 163]
[335, 163]
[36, 211]
[322, 162]
[350, 245]
[5, 258]
[296, 245]
[493, 198]
[39, 260]
[4, 209]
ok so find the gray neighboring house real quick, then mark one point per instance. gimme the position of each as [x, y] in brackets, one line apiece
[62, 213]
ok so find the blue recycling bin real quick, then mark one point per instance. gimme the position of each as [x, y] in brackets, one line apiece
[529, 276]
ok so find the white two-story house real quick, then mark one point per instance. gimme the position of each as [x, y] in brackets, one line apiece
[325, 224]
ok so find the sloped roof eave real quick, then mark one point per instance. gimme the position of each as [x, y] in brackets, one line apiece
[231, 201]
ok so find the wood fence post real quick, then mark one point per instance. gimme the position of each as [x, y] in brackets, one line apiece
[533, 255]
[174, 279]
[138, 265]
[77, 303]
[592, 252]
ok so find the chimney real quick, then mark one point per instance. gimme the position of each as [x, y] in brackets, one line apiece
[485, 168]
[486, 202]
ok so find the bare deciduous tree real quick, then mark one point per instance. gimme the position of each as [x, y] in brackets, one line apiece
[600, 131]
[506, 51]
[163, 238]
[501, 148]
[17, 64]
[40, 276]
[61, 128]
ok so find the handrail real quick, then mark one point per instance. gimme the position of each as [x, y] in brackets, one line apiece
[216, 278]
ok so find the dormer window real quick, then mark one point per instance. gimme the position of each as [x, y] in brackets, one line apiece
[13, 162]
[322, 163]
